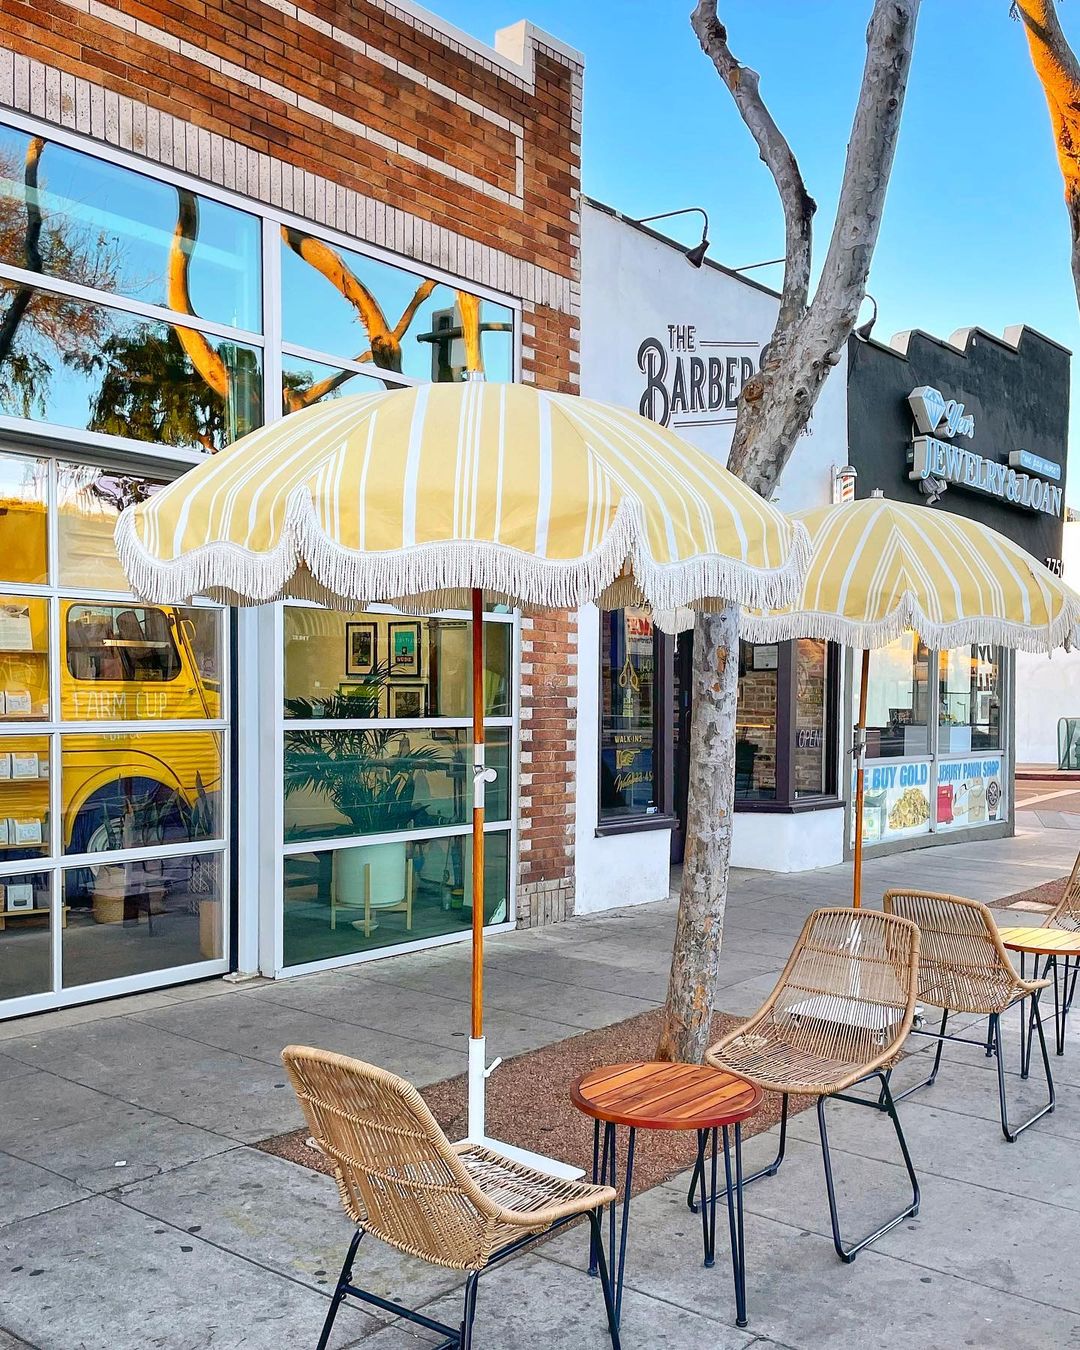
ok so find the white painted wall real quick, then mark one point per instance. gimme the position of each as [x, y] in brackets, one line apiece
[778, 842]
[1048, 687]
[633, 287]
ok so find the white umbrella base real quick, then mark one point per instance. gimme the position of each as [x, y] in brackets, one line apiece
[478, 1075]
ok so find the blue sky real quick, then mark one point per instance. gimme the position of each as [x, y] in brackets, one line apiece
[975, 230]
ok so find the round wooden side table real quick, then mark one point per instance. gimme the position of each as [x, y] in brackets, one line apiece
[1050, 943]
[653, 1095]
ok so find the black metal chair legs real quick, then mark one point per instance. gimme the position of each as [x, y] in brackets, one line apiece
[926, 1082]
[886, 1103]
[1030, 1022]
[1012, 1133]
[770, 1170]
[461, 1337]
[1064, 988]
[339, 1293]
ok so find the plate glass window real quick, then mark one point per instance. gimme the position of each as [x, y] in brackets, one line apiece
[377, 756]
[112, 837]
[629, 661]
[898, 700]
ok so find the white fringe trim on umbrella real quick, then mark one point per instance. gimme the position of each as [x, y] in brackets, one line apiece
[908, 617]
[307, 564]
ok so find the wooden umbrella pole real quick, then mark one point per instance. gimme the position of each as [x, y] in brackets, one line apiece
[860, 777]
[478, 815]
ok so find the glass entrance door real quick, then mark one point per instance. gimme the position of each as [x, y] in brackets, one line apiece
[113, 762]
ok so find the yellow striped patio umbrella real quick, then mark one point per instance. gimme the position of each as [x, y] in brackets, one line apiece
[425, 498]
[880, 568]
[419, 496]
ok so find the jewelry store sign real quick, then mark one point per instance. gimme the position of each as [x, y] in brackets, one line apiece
[1024, 480]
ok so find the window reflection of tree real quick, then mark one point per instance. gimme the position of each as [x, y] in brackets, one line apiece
[34, 321]
[169, 383]
[385, 340]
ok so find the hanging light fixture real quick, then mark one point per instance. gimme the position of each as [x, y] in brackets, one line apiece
[694, 256]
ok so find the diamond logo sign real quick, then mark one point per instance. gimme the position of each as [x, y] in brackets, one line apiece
[928, 408]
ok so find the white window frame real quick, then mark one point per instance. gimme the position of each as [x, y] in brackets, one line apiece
[273, 822]
[257, 845]
[55, 729]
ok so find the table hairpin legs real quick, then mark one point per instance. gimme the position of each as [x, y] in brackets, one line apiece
[1064, 981]
[733, 1195]
[605, 1172]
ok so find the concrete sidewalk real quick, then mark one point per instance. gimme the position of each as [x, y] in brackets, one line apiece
[133, 1214]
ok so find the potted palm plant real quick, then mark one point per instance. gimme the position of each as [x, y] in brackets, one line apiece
[368, 775]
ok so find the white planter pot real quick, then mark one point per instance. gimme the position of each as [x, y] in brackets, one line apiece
[387, 864]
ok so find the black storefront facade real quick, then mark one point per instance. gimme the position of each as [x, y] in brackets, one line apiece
[978, 426]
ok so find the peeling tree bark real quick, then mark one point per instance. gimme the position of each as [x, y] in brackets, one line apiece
[1059, 74]
[773, 411]
[687, 1017]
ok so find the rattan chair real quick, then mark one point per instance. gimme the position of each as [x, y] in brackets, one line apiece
[401, 1180]
[1066, 915]
[964, 968]
[839, 1014]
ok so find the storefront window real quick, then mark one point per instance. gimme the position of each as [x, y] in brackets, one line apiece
[954, 778]
[628, 715]
[168, 911]
[378, 742]
[79, 218]
[23, 496]
[756, 722]
[810, 770]
[24, 658]
[969, 693]
[898, 700]
[342, 901]
[123, 830]
[25, 934]
[376, 666]
[24, 798]
[89, 502]
[378, 780]
[393, 318]
[105, 370]
[127, 662]
[304, 383]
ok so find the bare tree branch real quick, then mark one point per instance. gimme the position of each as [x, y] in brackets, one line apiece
[385, 341]
[799, 206]
[295, 399]
[422, 292]
[1059, 74]
[890, 38]
[775, 406]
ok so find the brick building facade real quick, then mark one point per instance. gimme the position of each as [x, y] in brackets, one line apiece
[376, 122]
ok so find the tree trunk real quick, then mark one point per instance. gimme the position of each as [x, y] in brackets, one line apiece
[774, 409]
[1059, 74]
[684, 1033]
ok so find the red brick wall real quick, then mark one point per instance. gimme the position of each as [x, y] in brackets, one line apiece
[364, 117]
[195, 60]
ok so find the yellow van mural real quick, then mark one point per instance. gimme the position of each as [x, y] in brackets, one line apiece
[118, 662]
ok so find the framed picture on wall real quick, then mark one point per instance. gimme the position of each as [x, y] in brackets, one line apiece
[361, 648]
[408, 700]
[404, 649]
